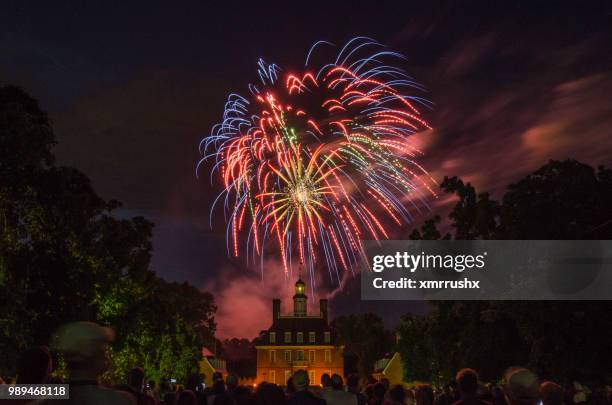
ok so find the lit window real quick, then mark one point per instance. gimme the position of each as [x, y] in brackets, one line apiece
[272, 337]
[328, 356]
[327, 337]
[311, 356]
[288, 356]
[287, 337]
[300, 337]
[299, 355]
[312, 376]
[287, 375]
[272, 356]
[272, 376]
[312, 337]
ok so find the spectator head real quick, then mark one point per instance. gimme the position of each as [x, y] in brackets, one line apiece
[186, 397]
[325, 380]
[369, 390]
[193, 382]
[271, 394]
[242, 395]
[397, 393]
[424, 395]
[152, 384]
[352, 381]
[379, 391]
[521, 387]
[34, 366]
[301, 381]
[136, 379]
[169, 397]
[231, 381]
[83, 346]
[290, 386]
[467, 380]
[217, 376]
[336, 382]
[551, 393]
[498, 396]
[218, 387]
[385, 382]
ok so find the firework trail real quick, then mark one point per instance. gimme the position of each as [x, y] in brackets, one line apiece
[314, 162]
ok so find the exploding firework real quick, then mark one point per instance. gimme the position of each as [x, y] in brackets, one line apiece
[314, 162]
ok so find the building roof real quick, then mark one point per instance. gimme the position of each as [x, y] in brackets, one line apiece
[300, 324]
[381, 365]
[293, 324]
[214, 364]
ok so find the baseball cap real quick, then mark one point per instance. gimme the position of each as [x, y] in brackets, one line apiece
[81, 340]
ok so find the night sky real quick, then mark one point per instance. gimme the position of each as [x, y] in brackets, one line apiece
[132, 88]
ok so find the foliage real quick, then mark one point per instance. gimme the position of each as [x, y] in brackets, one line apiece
[559, 340]
[417, 347]
[66, 256]
[241, 356]
[364, 337]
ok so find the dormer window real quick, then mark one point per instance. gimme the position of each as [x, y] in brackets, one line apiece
[272, 337]
[300, 337]
[327, 337]
[287, 337]
[312, 337]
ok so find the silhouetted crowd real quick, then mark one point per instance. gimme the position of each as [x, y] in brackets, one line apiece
[83, 346]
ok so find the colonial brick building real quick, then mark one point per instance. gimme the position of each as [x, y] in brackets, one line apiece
[298, 341]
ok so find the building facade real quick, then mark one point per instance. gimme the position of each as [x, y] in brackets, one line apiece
[209, 365]
[298, 341]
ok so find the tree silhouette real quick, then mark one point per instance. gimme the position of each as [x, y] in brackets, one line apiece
[364, 338]
[65, 256]
[563, 200]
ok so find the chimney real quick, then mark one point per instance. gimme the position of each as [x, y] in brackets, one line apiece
[323, 307]
[275, 309]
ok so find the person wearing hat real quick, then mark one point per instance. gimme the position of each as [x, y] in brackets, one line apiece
[302, 395]
[83, 346]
